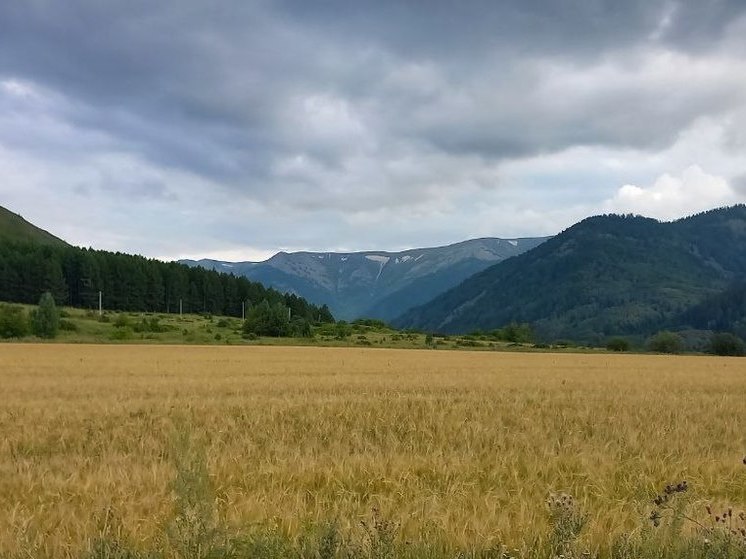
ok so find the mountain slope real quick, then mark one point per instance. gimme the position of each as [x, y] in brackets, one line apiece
[14, 228]
[375, 284]
[605, 275]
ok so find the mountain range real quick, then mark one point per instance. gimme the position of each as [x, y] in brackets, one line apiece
[375, 284]
[607, 275]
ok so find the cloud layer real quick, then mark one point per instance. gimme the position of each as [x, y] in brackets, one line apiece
[236, 128]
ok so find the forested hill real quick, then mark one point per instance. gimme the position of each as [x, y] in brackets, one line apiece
[604, 276]
[14, 228]
[132, 283]
[32, 261]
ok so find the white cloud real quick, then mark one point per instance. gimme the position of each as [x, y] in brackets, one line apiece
[671, 197]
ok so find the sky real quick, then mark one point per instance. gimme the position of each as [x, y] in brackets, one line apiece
[234, 129]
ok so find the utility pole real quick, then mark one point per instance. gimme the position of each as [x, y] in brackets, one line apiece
[243, 310]
[100, 303]
[181, 301]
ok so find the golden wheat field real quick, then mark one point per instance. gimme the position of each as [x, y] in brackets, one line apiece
[463, 446]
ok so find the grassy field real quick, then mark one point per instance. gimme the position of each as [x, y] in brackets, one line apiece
[456, 448]
[87, 326]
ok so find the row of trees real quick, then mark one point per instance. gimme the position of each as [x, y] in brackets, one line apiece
[75, 276]
[718, 343]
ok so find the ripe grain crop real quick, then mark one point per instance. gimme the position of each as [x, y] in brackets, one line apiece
[463, 447]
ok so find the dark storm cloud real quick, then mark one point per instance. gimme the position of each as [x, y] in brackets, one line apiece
[210, 86]
[354, 105]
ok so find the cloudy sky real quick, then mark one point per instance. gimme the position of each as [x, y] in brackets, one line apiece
[234, 129]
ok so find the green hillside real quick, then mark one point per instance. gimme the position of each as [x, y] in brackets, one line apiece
[14, 228]
[604, 276]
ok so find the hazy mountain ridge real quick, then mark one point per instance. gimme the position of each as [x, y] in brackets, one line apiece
[605, 275]
[375, 284]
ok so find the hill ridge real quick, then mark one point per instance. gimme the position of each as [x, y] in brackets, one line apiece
[13, 227]
[605, 275]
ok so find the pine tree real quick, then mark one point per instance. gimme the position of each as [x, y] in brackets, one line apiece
[46, 319]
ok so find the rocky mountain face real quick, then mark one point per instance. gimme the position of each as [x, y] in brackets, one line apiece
[375, 284]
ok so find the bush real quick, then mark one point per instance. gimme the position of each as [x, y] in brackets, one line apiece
[724, 343]
[617, 344]
[122, 321]
[13, 322]
[268, 320]
[301, 328]
[68, 326]
[513, 332]
[150, 325]
[373, 323]
[665, 342]
[46, 318]
[342, 330]
[121, 334]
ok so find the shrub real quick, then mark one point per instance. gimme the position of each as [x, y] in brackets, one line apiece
[724, 343]
[13, 322]
[150, 325]
[516, 333]
[301, 328]
[665, 342]
[617, 344]
[68, 326]
[122, 321]
[121, 333]
[268, 320]
[342, 330]
[373, 323]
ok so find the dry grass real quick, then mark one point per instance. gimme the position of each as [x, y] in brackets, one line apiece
[462, 446]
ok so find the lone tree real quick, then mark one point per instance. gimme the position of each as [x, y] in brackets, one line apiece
[46, 318]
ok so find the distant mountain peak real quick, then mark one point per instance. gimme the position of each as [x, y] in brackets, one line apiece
[374, 283]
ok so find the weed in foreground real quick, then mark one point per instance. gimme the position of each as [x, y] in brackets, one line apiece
[566, 522]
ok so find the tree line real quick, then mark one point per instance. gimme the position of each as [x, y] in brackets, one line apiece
[75, 276]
